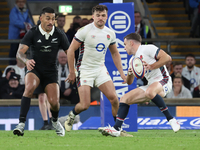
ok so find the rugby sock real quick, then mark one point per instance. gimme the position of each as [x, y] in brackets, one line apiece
[45, 122]
[54, 115]
[25, 105]
[121, 115]
[114, 118]
[158, 100]
[74, 112]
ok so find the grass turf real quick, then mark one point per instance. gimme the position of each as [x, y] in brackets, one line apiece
[93, 140]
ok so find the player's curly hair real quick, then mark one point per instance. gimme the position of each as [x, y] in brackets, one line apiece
[99, 8]
[134, 36]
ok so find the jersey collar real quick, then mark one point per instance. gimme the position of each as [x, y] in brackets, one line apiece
[45, 33]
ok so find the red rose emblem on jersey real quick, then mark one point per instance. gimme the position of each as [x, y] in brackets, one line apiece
[141, 57]
[108, 37]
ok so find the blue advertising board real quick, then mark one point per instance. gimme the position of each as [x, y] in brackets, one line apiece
[121, 21]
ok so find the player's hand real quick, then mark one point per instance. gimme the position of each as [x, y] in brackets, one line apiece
[124, 78]
[30, 64]
[71, 78]
[146, 66]
[130, 72]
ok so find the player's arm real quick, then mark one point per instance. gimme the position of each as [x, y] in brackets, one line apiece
[163, 58]
[130, 77]
[117, 60]
[71, 57]
[22, 57]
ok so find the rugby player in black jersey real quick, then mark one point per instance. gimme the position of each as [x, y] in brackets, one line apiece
[44, 42]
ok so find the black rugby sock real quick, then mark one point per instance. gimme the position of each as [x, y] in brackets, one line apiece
[158, 100]
[114, 118]
[74, 112]
[121, 115]
[45, 122]
[25, 105]
[54, 115]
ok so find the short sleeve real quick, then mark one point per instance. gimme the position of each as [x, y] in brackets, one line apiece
[28, 38]
[113, 40]
[81, 34]
[152, 51]
[64, 42]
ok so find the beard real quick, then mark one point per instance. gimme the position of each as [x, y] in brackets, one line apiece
[190, 66]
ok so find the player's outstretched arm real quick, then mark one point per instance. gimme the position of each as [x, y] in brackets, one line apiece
[163, 58]
[117, 60]
[70, 56]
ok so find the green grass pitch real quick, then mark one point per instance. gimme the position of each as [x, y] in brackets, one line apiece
[93, 140]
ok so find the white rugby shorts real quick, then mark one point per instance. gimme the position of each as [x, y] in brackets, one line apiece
[94, 77]
[166, 87]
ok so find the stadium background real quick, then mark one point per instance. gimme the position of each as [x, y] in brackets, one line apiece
[84, 10]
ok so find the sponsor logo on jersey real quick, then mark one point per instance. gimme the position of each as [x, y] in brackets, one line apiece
[39, 41]
[46, 49]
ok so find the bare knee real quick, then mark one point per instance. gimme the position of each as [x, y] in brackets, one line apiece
[29, 91]
[42, 98]
[150, 94]
[84, 106]
[114, 100]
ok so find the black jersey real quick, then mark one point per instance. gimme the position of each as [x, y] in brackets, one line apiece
[44, 52]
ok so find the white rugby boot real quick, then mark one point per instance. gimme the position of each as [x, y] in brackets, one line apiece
[109, 131]
[174, 124]
[19, 130]
[70, 121]
[60, 131]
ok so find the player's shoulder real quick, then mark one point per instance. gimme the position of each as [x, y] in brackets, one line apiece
[86, 28]
[109, 30]
[34, 29]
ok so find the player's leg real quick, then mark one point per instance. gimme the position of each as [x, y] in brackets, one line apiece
[50, 115]
[108, 90]
[43, 110]
[84, 104]
[155, 92]
[31, 82]
[134, 96]
[53, 94]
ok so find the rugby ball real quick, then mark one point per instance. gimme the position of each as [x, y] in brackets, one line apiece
[137, 67]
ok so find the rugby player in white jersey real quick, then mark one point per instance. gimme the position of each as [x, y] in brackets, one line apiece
[93, 41]
[159, 83]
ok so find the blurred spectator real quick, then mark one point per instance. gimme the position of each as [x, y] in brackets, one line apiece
[67, 90]
[196, 92]
[91, 20]
[19, 69]
[71, 32]
[19, 24]
[169, 67]
[77, 19]
[84, 22]
[12, 90]
[191, 72]
[4, 80]
[178, 89]
[194, 4]
[177, 68]
[140, 26]
[61, 22]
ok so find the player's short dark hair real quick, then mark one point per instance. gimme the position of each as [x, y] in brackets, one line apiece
[189, 55]
[47, 10]
[176, 63]
[134, 36]
[99, 8]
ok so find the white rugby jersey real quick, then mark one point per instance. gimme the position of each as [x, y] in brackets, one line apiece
[94, 45]
[193, 76]
[149, 53]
